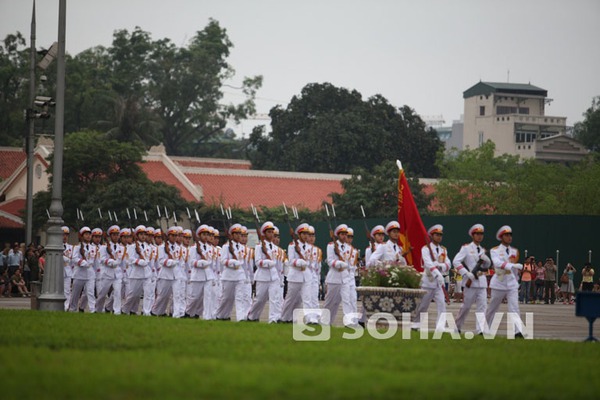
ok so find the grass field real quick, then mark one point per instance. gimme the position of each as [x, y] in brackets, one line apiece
[89, 356]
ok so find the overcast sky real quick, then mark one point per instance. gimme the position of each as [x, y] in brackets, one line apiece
[423, 54]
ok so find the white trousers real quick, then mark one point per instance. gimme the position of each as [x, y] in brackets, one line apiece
[149, 294]
[67, 292]
[197, 294]
[116, 299]
[436, 295]
[293, 300]
[471, 295]
[78, 287]
[512, 299]
[179, 293]
[230, 295]
[103, 287]
[164, 290]
[134, 292]
[271, 291]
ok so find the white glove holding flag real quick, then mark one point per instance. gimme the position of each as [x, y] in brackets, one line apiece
[341, 265]
[142, 263]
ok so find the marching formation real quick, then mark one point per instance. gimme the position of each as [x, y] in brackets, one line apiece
[188, 274]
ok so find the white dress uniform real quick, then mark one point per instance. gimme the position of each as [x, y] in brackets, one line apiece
[338, 276]
[138, 260]
[464, 262]
[389, 251]
[246, 287]
[168, 258]
[217, 287]
[232, 279]
[84, 259]
[67, 272]
[310, 295]
[111, 258]
[298, 277]
[180, 283]
[432, 281]
[201, 278]
[505, 282]
[150, 280]
[267, 277]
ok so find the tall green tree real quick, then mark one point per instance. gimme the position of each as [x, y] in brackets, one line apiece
[331, 129]
[377, 192]
[105, 174]
[588, 131]
[14, 85]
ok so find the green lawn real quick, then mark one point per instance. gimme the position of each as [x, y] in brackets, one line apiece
[87, 356]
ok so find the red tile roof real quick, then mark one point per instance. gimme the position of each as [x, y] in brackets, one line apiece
[157, 171]
[9, 223]
[10, 160]
[13, 207]
[265, 191]
[212, 164]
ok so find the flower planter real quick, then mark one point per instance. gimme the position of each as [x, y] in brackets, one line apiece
[390, 300]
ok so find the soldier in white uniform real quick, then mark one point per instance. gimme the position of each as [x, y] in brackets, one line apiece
[202, 275]
[378, 234]
[68, 266]
[435, 263]
[84, 255]
[168, 258]
[233, 275]
[353, 271]
[267, 276]
[246, 287]
[299, 253]
[150, 280]
[283, 260]
[138, 259]
[111, 257]
[180, 271]
[310, 296]
[338, 259]
[473, 279]
[93, 274]
[217, 287]
[505, 282]
[392, 250]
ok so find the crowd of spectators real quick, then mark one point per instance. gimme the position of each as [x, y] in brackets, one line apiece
[19, 266]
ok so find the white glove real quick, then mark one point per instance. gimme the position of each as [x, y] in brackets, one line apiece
[440, 280]
[234, 263]
[83, 263]
[300, 263]
[142, 263]
[470, 276]
[171, 263]
[111, 263]
[341, 265]
[65, 259]
[518, 266]
[201, 263]
[268, 263]
[508, 267]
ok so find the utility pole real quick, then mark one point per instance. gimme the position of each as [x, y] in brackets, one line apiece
[52, 297]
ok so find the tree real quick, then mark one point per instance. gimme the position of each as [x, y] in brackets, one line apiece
[377, 192]
[14, 84]
[588, 131]
[105, 174]
[331, 129]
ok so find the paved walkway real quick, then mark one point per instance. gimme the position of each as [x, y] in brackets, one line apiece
[550, 321]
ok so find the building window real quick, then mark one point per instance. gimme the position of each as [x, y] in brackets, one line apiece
[480, 139]
[481, 110]
[500, 110]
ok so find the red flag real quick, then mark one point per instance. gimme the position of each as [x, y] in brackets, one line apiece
[412, 231]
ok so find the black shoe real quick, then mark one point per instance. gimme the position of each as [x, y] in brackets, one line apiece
[252, 320]
[361, 323]
[519, 335]
[81, 310]
[152, 314]
[223, 319]
[132, 313]
[186, 315]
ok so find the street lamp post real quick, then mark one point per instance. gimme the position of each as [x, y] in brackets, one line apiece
[52, 297]
[30, 137]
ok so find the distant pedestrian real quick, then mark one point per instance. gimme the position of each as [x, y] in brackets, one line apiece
[549, 281]
[587, 283]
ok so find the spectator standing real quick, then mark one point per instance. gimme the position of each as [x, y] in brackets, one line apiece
[41, 264]
[4, 258]
[549, 281]
[587, 283]
[567, 288]
[5, 285]
[15, 259]
[526, 280]
[540, 273]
